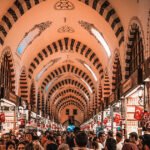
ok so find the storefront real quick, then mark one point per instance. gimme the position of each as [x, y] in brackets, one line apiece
[133, 95]
[116, 113]
[22, 115]
[8, 115]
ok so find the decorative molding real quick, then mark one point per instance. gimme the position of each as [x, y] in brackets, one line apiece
[31, 35]
[64, 5]
[87, 26]
[65, 29]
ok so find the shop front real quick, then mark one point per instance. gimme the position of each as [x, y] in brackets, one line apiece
[116, 113]
[133, 94]
[32, 123]
[7, 115]
[22, 114]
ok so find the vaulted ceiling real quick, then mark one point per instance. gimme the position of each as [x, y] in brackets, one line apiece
[54, 41]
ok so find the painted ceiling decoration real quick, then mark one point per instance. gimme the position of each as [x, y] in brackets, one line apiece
[65, 29]
[71, 53]
[99, 36]
[89, 68]
[65, 98]
[70, 102]
[59, 46]
[68, 91]
[31, 35]
[13, 14]
[104, 8]
[68, 82]
[51, 82]
[66, 69]
[68, 98]
[44, 69]
[19, 8]
[64, 5]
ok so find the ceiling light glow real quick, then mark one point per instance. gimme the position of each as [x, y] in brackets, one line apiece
[100, 38]
[87, 86]
[89, 68]
[43, 70]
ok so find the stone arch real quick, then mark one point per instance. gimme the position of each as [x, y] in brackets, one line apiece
[8, 54]
[23, 84]
[67, 68]
[116, 71]
[33, 96]
[103, 7]
[67, 82]
[69, 45]
[135, 26]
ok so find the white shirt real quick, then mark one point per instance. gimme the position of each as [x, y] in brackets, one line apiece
[119, 146]
[100, 146]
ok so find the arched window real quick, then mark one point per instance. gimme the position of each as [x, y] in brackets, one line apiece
[136, 52]
[5, 76]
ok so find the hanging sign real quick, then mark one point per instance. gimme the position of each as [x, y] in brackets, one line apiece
[117, 118]
[2, 117]
[105, 120]
[138, 113]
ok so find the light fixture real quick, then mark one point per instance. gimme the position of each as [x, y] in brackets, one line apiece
[140, 95]
[89, 68]
[101, 39]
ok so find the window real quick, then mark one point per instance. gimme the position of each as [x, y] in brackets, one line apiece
[67, 111]
[75, 112]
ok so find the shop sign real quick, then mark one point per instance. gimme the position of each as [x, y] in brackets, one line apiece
[138, 113]
[2, 117]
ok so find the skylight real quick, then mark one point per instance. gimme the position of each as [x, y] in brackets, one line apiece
[32, 35]
[101, 39]
[27, 40]
[50, 63]
[48, 85]
[43, 70]
[87, 86]
[86, 96]
[94, 32]
[89, 68]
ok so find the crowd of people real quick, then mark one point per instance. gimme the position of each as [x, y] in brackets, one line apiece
[77, 140]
